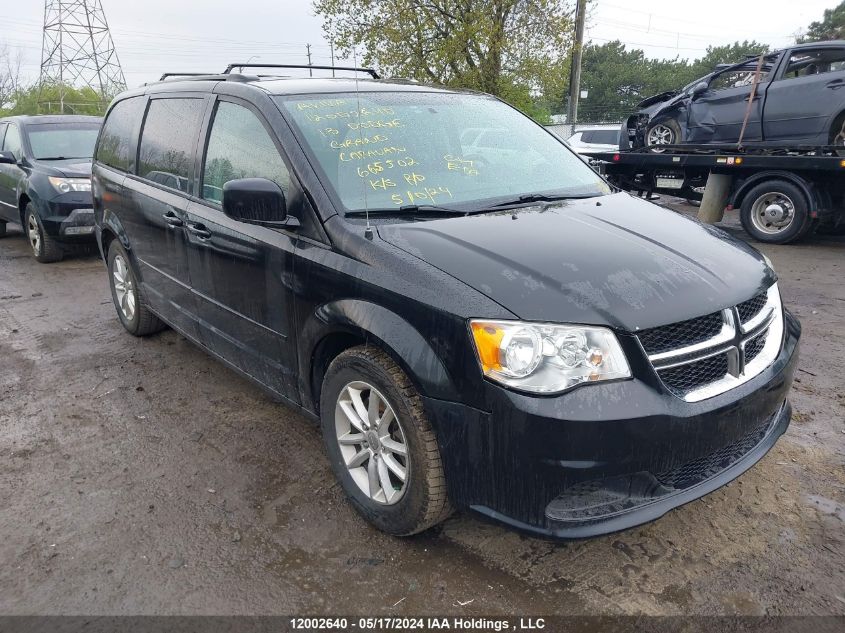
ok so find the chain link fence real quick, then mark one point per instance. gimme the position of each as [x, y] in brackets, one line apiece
[565, 130]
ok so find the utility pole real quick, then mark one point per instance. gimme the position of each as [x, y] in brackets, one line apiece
[308, 49]
[331, 44]
[575, 72]
[77, 49]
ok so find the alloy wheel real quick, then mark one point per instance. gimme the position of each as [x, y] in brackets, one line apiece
[772, 213]
[123, 287]
[661, 135]
[34, 234]
[372, 443]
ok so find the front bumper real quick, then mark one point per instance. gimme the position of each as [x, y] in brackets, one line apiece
[69, 217]
[607, 457]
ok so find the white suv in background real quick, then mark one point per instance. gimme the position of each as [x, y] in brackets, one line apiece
[599, 138]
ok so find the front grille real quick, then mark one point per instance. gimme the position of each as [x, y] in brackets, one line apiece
[698, 470]
[754, 347]
[683, 379]
[682, 334]
[703, 357]
[751, 308]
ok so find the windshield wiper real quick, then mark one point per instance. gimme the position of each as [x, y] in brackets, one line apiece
[411, 210]
[60, 157]
[528, 198]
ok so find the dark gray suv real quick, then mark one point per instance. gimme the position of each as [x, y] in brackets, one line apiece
[799, 99]
[45, 180]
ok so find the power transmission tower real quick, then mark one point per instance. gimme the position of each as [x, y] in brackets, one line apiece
[77, 50]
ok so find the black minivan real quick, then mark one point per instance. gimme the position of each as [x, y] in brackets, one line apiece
[488, 327]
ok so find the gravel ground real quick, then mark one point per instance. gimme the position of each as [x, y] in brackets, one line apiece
[139, 476]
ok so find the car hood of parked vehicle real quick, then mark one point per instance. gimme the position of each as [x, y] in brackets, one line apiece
[658, 98]
[614, 260]
[67, 168]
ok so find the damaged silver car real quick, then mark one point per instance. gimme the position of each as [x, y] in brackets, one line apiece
[798, 100]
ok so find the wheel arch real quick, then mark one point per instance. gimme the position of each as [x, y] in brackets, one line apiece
[23, 202]
[337, 326]
[749, 183]
[110, 229]
[837, 124]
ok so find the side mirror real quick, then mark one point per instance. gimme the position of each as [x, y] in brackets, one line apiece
[698, 88]
[257, 201]
[8, 158]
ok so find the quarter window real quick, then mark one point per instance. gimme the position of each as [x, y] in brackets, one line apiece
[117, 138]
[12, 142]
[168, 142]
[239, 146]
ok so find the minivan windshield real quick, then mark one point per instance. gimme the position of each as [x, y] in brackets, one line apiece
[389, 150]
[55, 141]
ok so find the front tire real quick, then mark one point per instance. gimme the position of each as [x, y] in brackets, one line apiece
[666, 132]
[45, 248]
[837, 132]
[380, 443]
[132, 309]
[775, 212]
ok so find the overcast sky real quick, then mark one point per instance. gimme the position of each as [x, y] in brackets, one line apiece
[156, 36]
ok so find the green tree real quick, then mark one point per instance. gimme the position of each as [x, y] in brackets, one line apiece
[617, 78]
[516, 49]
[49, 99]
[830, 27]
[728, 54]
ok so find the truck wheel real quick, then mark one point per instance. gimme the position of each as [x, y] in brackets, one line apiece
[666, 132]
[45, 248]
[775, 212]
[380, 443]
[132, 309]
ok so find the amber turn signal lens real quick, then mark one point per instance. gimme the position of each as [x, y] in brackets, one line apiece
[488, 340]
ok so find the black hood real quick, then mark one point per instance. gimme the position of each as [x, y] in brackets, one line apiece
[659, 98]
[628, 263]
[69, 168]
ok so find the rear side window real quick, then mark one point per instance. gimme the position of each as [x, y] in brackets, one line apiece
[116, 139]
[605, 137]
[805, 63]
[240, 147]
[169, 140]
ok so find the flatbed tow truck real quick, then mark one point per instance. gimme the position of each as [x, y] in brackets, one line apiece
[782, 193]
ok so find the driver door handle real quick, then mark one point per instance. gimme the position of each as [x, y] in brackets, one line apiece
[836, 83]
[172, 219]
[199, 230]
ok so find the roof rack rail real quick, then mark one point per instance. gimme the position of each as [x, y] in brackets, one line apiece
[369, 71]
[167, 75]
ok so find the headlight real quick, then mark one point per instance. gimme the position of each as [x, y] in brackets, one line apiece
[547, 358]
[66, 185]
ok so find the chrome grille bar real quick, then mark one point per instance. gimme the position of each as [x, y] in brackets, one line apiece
[731, 341]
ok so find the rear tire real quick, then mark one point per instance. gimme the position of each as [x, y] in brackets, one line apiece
[45, 248]
[365, 450]
[132, 309]
[2, 229]
[776, 212]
